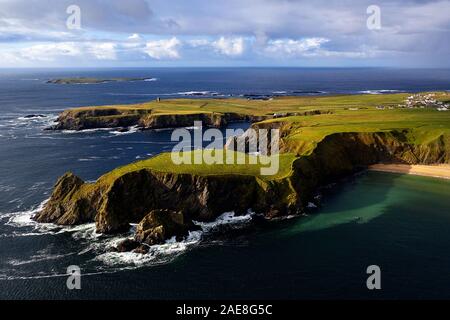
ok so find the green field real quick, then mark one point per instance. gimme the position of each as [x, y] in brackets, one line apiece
[301, 134]
[164, 163]
[323, 139]
[263, 107]
[305, 132]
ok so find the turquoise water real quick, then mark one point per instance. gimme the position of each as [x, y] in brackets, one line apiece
[398, 222]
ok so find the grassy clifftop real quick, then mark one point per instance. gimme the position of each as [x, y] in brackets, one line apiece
[301, 134]
[258, 107]
[219, 112]
[317, 148]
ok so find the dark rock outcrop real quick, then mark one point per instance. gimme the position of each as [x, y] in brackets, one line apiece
[83, 119]
[161, 225]
[142, 249]
[127, 245]
[66, 206]
[180, 120]
[156, 228]
[132, 196]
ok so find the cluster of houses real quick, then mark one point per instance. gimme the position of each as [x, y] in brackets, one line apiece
[425, 101]
[420, 101]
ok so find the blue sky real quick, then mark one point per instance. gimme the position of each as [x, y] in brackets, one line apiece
[154, 33]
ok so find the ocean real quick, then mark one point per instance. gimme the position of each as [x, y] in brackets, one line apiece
[400, 223]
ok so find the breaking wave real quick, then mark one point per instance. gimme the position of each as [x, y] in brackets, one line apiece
[199, 93]
[38, 120]
[23, 219]
[164, 253]
[100, 246]
[129, 130]
[384, 91]
[117, 131]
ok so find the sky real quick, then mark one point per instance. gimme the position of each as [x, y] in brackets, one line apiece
[169, 33]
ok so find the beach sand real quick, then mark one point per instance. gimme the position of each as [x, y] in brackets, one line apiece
[437, 171]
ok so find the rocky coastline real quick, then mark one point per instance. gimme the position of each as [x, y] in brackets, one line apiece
[165, 204]
[321, 146]
[148, 119]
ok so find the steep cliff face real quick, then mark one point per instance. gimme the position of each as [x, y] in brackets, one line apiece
[81, 119]
[201, 198]
[341, 154]
[157, 121]
[98, 118]
[72, 202]
[130, 197]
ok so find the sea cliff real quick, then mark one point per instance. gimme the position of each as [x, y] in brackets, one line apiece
[317, 147]
[116, 200]
[145, 119]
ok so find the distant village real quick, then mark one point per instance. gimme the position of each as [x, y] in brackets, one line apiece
[422, 101]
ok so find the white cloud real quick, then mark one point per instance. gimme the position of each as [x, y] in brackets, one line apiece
[60, 51]
[15, 30]
[50, 51]
[311, 48]
[10, 58]
[195, 43]
[409, 28]
[290, 47]
[229, 46]
[135, 37]
[103, 51]
[163, 49]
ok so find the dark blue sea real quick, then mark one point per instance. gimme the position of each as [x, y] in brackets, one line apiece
[400, 223]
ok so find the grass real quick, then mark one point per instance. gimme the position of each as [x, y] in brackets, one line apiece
[260, 107]
[164, 163]
[306, 131]
[302, 132]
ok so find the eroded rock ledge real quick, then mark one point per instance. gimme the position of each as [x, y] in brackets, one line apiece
[146, 119]
[143, 118]
[165, 203]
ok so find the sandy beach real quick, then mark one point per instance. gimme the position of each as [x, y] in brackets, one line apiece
[437, 171]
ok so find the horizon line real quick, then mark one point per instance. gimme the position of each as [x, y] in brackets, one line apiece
[225, 67]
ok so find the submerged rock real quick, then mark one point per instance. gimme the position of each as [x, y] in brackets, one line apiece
[127, 245]
[161, 225]
[142, 249]
[156, 228]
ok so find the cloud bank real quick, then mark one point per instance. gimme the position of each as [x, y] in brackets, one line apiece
[251, 32]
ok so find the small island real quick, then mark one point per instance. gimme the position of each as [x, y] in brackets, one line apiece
[323, 139]
[85, 80]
